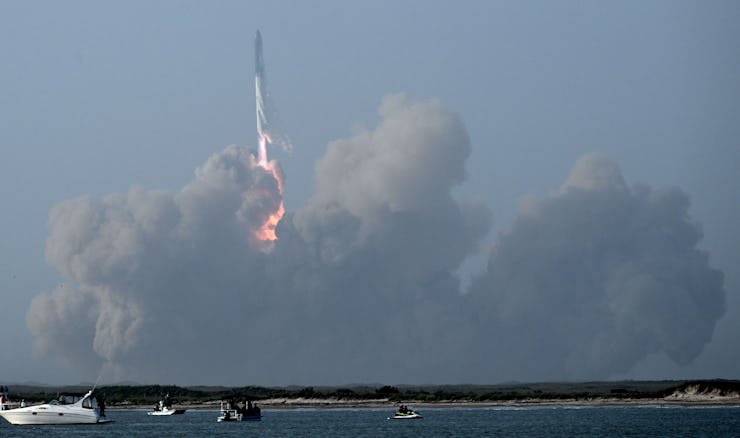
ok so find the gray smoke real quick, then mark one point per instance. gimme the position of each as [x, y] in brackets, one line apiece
[355, 289]
[361, 286]
[594, 278]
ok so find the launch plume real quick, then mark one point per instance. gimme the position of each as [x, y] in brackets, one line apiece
[167, 273]
[595, 278]
[361, 285]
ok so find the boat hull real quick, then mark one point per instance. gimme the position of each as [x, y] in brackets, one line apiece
[167, 412]
[27, 416]
[412, 416]
[233, 416]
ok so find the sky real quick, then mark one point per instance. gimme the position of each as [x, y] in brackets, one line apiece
[477, 192]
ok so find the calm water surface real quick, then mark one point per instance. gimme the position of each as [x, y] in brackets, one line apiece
[647, 421]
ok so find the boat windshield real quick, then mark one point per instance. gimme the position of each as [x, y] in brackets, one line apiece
[65, 400]
[89, 403]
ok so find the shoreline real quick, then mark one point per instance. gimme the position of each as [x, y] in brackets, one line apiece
[381, 404]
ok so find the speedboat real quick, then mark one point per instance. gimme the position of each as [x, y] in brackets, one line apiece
[166, 411]
[66, 410]
[408, 415]
[164, 407]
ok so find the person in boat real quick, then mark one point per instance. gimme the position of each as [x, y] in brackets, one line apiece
[167, 402]
[101, 406]
[2, 401]
[23, 403]
[252, 409]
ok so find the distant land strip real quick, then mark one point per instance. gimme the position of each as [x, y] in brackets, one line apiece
[717, 391]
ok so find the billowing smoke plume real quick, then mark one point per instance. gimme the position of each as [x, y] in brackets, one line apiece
[355, 289]
[595, 278]
[360, 285]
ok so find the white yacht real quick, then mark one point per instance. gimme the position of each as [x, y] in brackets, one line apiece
[65, 410]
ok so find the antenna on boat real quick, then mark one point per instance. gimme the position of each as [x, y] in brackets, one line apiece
[100, 375]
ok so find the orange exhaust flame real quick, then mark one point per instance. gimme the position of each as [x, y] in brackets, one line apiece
[266, 232]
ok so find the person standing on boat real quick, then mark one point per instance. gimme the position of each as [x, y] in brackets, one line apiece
[23, 403]
[2, 401]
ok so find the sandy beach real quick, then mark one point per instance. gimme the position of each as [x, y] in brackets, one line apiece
[310, 403]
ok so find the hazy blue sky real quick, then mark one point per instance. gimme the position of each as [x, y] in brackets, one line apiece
[97, 97]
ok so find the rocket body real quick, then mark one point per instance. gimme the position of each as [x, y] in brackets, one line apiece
[259, 63]
[260, 85]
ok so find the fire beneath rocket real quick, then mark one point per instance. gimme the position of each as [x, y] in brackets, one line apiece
[266, 231]
[266, 136]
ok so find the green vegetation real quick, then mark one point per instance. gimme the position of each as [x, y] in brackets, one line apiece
[149, 394]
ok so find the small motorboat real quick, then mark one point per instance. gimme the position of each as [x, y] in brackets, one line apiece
[67, 409]
[164, 407]
[228, 413]
[405, 413]
[166, 411]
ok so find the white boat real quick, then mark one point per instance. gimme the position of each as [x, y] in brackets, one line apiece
[164, 407]
[65, 410]
[166, 411]
[408, 415]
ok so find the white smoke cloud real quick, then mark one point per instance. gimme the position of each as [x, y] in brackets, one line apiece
[75, 311]
[591, 280]
[147, 260]
[360, 285]
[175, 277]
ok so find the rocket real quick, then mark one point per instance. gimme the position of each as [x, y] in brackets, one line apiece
[260, 85]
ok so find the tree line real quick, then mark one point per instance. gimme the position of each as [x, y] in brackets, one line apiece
[150, 394]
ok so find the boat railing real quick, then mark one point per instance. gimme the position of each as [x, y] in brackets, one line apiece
[6, 406]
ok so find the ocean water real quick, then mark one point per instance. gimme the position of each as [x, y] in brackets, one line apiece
[565, 421]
